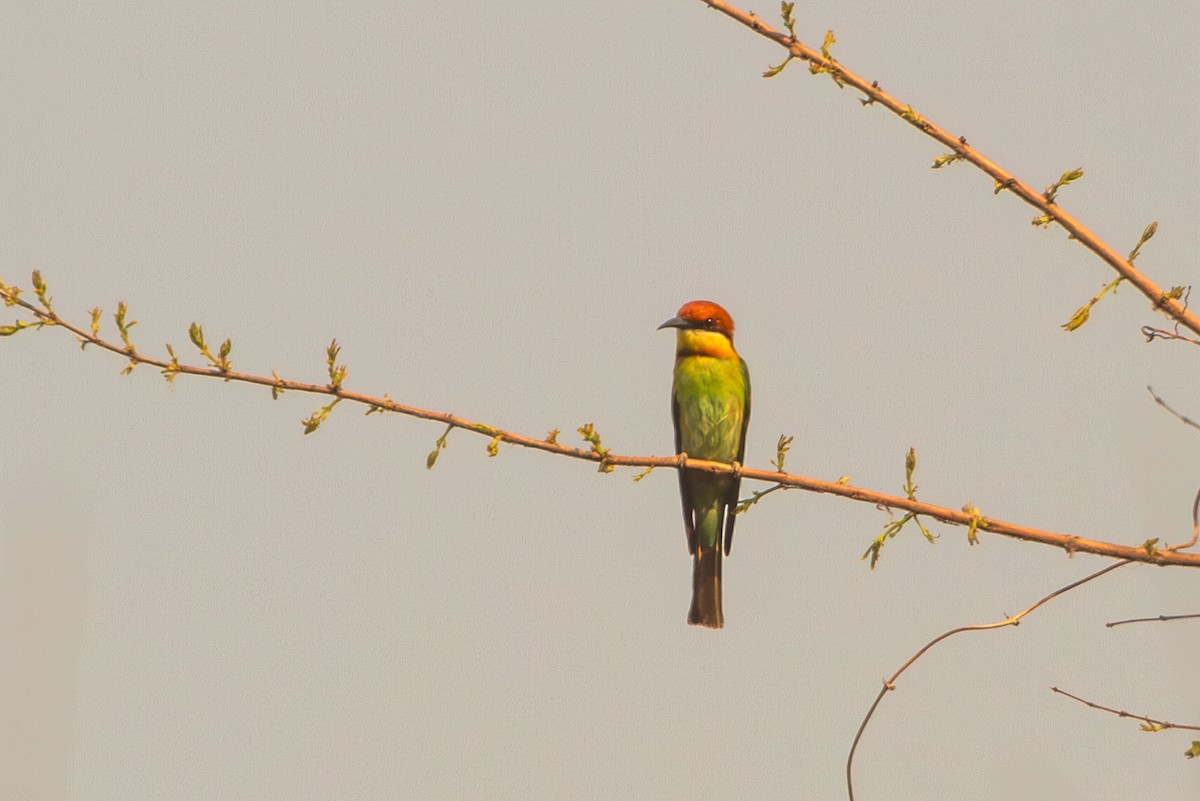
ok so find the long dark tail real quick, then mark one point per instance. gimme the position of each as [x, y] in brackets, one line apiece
[706, 588]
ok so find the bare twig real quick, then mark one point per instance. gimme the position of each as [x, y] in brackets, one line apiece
[220, 369]
[1195, 524]
[1179, 416]
[1195, 501]
[1159, 618]
[1161, 300]
[1149, 724]
[1151, 333]
[890, 683]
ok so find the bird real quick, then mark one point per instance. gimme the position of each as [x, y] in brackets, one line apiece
[710, 406]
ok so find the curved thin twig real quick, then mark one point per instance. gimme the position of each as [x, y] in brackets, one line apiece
[1187, 421]
[1044, 202]
[1195, 525]
[1151, 333]
[890, 683]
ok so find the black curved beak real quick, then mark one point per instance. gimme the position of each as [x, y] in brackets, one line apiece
[674, 322]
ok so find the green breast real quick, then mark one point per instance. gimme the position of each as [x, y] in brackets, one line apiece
[711, 395]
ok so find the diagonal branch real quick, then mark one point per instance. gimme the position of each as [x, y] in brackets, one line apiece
[1187, 421]
[221, 368]
[1161, 300]
[889, 684]
[1155, 619]
[1150, 724]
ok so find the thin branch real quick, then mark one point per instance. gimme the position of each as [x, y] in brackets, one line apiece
[1160, 299]
[1196, 501]
[1159, 618]
[890, 683]
[1153, 724]
[1187, 421]
[1195, 525]
[607, 460]
[1151, 333]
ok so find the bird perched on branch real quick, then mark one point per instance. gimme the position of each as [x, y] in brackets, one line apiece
[710, 403]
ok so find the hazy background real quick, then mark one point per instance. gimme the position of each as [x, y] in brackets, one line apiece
[492, 206]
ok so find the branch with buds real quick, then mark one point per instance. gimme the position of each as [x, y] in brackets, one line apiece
[1170, 302]
[1150, 725]
[221, 367]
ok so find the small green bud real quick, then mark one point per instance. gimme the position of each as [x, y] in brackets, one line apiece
[773, 71]
[196, 334]
[1078, 319]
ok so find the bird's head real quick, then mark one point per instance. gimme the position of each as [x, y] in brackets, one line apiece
[703, 327]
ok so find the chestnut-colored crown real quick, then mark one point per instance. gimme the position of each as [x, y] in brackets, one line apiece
[706, 314]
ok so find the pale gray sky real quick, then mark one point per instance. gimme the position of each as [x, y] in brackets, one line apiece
[492, 206]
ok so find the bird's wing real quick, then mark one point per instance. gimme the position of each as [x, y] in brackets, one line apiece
[731, 498]
[685, 497]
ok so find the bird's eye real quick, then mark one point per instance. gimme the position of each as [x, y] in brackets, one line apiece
[711, 322]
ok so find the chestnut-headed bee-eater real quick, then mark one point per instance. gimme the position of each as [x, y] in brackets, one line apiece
[710, 402]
